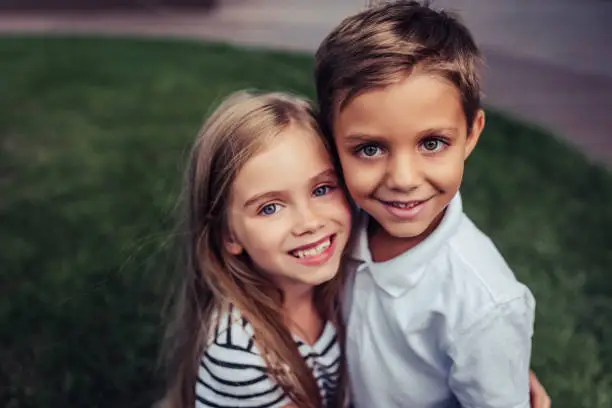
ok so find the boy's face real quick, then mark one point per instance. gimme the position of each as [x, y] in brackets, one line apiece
[402, 150]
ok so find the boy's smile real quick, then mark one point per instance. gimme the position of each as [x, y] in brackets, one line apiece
[402, 150]
[405, 210]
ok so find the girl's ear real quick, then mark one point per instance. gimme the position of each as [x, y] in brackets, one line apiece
[231, 244]
[233, 247]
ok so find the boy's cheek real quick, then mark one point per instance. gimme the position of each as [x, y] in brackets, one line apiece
[448, 173]
[360, 183]
[353, 167]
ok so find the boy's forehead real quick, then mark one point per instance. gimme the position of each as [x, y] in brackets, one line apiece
[418, 101]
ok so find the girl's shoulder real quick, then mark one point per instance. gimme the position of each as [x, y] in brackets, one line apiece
[231, 347]
[231, 370]
[231, 329]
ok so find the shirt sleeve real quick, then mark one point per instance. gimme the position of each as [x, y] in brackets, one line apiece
[233, 374]
[490, 361]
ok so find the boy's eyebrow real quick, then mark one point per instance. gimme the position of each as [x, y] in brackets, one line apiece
[330, 172]
[364, 137]
[452, 130]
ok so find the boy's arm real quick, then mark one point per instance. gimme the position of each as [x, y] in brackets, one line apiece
[491, 358]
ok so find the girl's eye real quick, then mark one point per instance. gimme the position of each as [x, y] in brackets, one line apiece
[322, 190]
[433, 145]
[369, 150]
[269, 209]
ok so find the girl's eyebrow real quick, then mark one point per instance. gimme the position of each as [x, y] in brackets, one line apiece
[259, 197]
[327, 173]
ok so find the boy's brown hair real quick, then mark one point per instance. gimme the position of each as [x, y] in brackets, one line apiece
[381, 45]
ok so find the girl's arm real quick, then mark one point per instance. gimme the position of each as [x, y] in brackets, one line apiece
[539, 397]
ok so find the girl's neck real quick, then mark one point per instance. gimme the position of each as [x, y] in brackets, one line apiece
[303, 318]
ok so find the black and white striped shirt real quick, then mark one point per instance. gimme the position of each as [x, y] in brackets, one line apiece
[232, 372]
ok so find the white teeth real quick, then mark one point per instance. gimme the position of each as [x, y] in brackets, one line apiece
[313, 251]
[404, 205]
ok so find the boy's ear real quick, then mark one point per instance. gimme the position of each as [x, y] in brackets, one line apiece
[476, 129]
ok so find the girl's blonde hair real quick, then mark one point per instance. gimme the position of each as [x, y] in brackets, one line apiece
[239, 128]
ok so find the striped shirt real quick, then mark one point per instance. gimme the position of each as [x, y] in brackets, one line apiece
[232, 372]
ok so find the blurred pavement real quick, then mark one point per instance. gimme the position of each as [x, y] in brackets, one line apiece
[549, 61]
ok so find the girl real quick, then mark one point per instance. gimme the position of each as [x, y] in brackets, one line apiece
[257, 322]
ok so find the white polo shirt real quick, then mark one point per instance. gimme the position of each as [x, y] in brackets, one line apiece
[444, 324]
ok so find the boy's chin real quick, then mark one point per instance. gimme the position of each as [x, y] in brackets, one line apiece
[416, 231]
[406, 230]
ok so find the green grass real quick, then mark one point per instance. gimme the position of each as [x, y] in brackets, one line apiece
[93, 137]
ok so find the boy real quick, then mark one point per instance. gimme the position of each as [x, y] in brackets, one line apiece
[437, 318]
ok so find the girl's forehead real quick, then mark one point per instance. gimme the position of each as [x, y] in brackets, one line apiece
[288, 147]
[293, 159]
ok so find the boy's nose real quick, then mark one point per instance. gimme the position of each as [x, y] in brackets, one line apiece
[402, 173]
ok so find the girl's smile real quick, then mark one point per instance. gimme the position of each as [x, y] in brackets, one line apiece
[288, 213]
[316, 253]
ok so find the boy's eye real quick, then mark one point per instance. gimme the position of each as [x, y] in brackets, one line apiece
[369, 150]
[322, 190]
[269, 209]
[433, 145]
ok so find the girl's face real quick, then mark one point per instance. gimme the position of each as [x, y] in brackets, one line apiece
[288, 212]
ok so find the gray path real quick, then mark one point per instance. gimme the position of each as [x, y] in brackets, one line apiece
[549, 61]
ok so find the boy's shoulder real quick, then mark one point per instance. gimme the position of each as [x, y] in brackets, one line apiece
[475, 272]
[474, 258]
[469, 282]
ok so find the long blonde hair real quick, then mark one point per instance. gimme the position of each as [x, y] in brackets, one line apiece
[240, 127]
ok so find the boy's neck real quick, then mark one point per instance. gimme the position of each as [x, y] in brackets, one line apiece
[384, 246]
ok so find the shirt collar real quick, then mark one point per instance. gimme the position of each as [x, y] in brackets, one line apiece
[398, 275]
